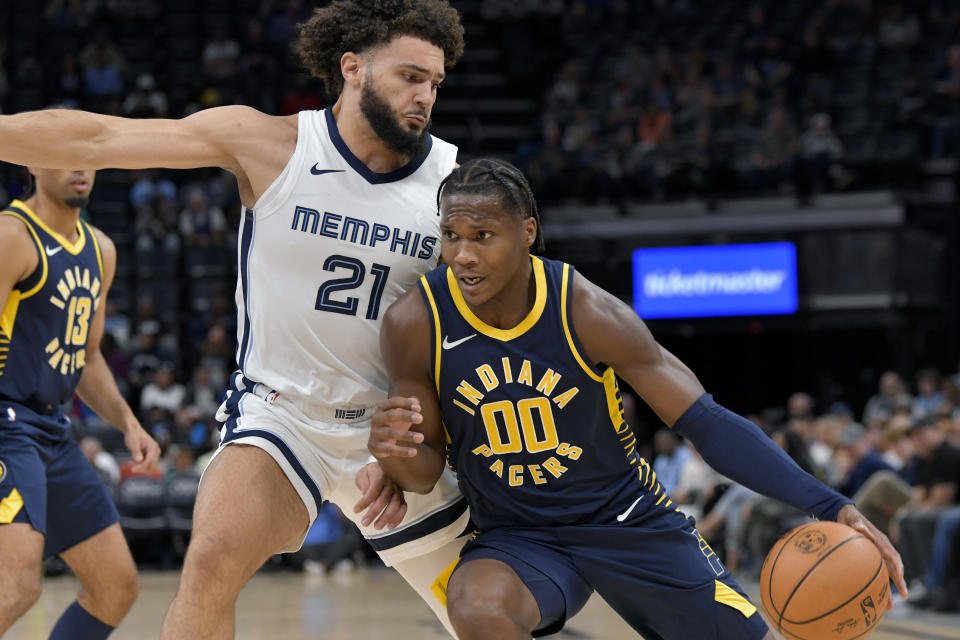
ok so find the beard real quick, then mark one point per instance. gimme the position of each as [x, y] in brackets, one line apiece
[384, 123]
[76, 202]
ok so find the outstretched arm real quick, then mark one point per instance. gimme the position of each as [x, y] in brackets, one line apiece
[406, 434]
[97, 387]
[251, 145]
[613, 334]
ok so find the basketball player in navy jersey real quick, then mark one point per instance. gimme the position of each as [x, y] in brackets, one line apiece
[338, 220]
[55, 274]
[502, 363]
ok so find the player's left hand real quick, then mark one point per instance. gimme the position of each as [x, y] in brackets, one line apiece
[144, 449]
[850, 516]
[382, 498]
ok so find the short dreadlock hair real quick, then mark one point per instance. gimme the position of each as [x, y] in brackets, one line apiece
[359, 25]
[493, 177]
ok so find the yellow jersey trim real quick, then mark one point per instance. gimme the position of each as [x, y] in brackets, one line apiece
[566, 328]
[96, 248]
[613, 405]
[10, 507]
[73, 248]
[43, 259]
[439, 586]
[726, 595]
[437, 350]
[503, 335]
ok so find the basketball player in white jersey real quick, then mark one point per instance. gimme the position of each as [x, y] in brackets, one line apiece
[339, 219]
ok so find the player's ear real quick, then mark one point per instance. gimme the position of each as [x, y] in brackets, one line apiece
[529, 231]
[351, 65]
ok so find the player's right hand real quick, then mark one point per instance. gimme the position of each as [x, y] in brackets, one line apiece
[390, 434]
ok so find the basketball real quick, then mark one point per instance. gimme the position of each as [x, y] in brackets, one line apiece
[824, 580]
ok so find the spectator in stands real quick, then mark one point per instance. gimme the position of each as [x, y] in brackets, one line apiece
[872, 483]
[145, 101]
[672, 454]
[67, 15]
[696, 486]
[946, 93]
[929, 396]
[221, 58]
[820, 154]
[771, 159]
[69, 84]
[892, 393]
[102, 83]
[898, 29]
[300, 97]
[104, 463]
[163, 392]
[148, 186]
[201, 394]
[937, 476]
[156, 224]
[201, 223]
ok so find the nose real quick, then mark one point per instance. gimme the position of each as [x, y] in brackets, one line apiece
[425, 97]
[465, 255]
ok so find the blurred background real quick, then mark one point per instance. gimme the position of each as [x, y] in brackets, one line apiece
[828, 127]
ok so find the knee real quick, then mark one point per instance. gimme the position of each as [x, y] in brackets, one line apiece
[126, 588]
[23, 593]
[209, 566]
[476, 613]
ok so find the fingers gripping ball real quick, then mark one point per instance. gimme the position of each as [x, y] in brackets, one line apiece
[824, 580]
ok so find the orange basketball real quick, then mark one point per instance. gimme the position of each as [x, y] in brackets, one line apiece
[824, 580]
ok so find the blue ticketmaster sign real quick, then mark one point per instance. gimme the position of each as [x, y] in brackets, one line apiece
[723, 280]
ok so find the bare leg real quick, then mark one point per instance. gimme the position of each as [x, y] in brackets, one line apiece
[487, 599]
[108, 576]
[246, 511]
[21, 580]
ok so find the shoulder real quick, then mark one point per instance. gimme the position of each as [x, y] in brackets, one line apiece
[17, 246]
[407, 314]
[244, 121]
[107, 247]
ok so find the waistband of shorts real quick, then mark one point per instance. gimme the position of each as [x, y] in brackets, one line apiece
[314, 410]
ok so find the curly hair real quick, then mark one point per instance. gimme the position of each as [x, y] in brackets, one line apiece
[358, 25]
[499, 178]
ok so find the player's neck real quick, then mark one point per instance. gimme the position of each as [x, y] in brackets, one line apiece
[58, 217]
[362, 141]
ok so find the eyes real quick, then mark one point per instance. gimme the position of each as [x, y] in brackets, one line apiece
[413, 78]
[478, 236]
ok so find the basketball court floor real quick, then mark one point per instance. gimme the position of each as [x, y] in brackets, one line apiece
[373, 604]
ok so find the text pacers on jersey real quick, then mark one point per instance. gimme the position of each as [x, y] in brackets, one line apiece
[520, 432]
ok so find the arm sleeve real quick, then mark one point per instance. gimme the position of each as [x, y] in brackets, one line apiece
[738, 449]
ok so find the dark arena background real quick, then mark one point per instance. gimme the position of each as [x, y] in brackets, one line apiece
[830, 128]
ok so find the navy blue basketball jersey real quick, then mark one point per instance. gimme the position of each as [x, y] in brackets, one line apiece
[535, 432]
[47, 318]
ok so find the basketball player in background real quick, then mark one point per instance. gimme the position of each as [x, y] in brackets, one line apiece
[54, 279]
[506, 362]
[338, 220]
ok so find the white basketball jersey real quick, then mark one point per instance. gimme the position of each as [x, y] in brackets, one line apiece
[326, 249]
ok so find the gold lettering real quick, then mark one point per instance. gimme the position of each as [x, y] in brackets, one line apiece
[570, 451]
[553, 466]
[507, 373]
[483, 450]
[548, 382]
[525, 376]
[71, 281]
[95, 289]
[470, 393]
[57, 302]
[63, 289]
[497, 468]
[53, 346]
[85, 283]
[463, 406]
[516, 475]
[55, 358]
[566, 397]
[536, 474]
[488, 377]
[81, 358]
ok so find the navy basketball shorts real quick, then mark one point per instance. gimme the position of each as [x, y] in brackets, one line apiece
[655, 570]
[50, 485]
